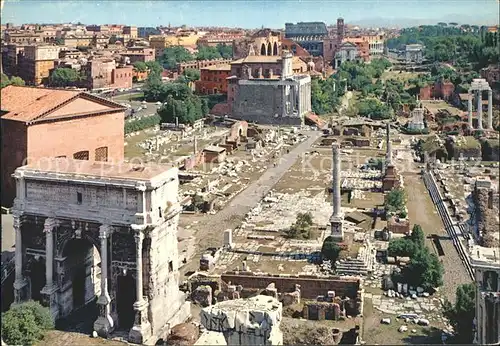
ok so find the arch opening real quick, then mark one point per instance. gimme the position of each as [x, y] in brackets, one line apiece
[275, 49]
[269, 49]
[263, 49]
[36, 274]
[79, 283]
[125, 299]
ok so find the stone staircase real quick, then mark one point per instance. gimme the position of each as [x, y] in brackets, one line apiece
[359, 266]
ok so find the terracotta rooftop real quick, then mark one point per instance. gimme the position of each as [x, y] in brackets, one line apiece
[257, 59]
[28, 104]
[83, 168]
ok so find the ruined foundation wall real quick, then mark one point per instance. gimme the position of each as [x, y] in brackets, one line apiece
[311, 286]
[486, 217]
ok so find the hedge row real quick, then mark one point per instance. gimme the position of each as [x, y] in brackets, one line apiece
[142, 123]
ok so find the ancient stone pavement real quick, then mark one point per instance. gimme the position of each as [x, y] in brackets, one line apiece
[213, 226]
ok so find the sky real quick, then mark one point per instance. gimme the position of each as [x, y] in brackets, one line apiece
[252, 13]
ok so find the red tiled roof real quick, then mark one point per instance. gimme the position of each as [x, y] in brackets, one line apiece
[26, 104]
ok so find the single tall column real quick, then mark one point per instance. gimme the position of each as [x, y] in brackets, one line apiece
[336, 180]
[141, 330]
[21, 289]
[104, 324]
[336, 220]
[49, 290]
[388, 144]
[139, 237]
[490, 110]
[469, 109]
[479, 94]
[49, 226]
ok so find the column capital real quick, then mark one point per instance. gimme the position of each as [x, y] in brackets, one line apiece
[141, 187]
[139, 237]
[17, 221]
[50, 224]
[105, 231]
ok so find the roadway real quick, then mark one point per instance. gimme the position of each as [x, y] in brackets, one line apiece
[210, 234]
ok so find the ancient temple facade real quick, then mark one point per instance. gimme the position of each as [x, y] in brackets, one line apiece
[98, 233]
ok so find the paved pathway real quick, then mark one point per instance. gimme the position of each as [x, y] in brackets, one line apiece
[213, 226]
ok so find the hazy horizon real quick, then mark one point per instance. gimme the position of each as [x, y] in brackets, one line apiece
[252, 14]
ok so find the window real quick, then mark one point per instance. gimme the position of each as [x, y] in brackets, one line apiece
[61, 157]
[170, 266]
[79, 197]
[159, 211]
[81, 155]
[101, 154]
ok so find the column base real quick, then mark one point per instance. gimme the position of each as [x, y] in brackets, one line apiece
[104, 324]
[141, 331]
[337, 231]
[50, 300]
[22, 291]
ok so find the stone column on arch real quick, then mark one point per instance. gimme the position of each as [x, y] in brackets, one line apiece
[469, 109]
[104, 324]
[21, 288]
[490, 109]
[49, 290]
[141, 330]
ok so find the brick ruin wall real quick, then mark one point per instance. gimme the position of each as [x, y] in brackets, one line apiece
[486, 202]
[311, 286]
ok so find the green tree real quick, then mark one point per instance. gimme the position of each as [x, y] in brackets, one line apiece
[330, 250]
[154, 67]
[301, 227]
[418, 236]
[4, 80]
[174, 55]
[140, 66]
[14, 80]
[113, 39]
[395, 200]
[191, 74]
[401, 247]
[461, 314]
[64, 77]
[226, 51]
[424, 270]
[59, 41]
[25, 324]
[207, 53]
[204, 107]
[374, 109]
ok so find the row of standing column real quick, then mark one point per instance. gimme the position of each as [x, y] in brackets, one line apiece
[479, 99]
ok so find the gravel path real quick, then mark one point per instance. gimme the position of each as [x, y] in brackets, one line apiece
[421, 210]
[210, 228]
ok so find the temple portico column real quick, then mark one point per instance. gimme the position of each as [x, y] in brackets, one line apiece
[490, 110]
[50, 289]
[21, 288]
[469, 109]
[479, 94]
[141, 330]
[104, 323]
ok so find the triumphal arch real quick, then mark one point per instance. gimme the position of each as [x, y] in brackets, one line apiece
[100, 233]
